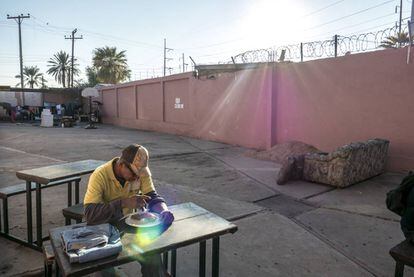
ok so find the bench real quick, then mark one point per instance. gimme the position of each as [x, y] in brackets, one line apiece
[74, 212]
[403, 254]
[48, 258]
[6, 192]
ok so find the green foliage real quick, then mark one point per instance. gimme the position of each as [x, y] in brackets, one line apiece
[60, 68]
[110, 66]
[31, 76]
[92, 75]
[394, 41]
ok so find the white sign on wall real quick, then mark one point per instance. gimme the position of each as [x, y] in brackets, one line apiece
[178, 104]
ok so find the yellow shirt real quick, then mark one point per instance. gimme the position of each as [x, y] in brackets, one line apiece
[103, 187]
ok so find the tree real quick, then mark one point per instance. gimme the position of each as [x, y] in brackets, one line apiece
[31, 76]
[60, 67]
[393, 41]
[92, 75]
[111, 66]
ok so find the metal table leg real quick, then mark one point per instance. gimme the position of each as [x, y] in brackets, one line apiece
[215, 257]
[57, 269]
[5, 216]
[202, 260]
[399, 269]
[29, 212]
[165, 260]
[39, 215]
[173, 262]
[69, 194]
[76, 192]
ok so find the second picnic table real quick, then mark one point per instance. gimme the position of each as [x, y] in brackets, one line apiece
[43, 176]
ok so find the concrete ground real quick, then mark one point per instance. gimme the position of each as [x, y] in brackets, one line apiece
[299, 229]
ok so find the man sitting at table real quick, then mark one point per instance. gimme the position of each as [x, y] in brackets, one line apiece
[120, 185]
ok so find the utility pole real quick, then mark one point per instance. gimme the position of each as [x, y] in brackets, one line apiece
[19, 20]
[184, 64]
[43, 82]
[72, 37]
[165, 55]
[411, 19]
[400, 22]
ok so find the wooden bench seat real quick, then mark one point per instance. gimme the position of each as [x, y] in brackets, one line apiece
[9, 191]
[74, 212]
[403, 254]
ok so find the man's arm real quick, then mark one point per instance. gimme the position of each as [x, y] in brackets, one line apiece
[157, 204]
[98, 213]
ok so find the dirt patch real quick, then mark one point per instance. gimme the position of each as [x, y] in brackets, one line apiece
[280, 152]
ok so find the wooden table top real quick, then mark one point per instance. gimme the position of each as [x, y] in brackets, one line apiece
[47, 174]
[192, 224]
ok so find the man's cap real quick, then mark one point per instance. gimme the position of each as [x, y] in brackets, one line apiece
[136, 157]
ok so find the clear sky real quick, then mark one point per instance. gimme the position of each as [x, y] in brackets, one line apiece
[209, 31]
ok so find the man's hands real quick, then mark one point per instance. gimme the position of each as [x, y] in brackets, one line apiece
[135, 202]
[167, 217]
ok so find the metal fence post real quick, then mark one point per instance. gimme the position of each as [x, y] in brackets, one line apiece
[336, 45]
[301, 52]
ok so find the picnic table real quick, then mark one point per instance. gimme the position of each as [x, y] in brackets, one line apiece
[43, 176]
[193, 224]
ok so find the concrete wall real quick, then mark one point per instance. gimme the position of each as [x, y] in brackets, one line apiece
[328, 103]
[230, 107]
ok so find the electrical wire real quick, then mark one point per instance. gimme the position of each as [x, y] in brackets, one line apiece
[349, 15]
[323, 8]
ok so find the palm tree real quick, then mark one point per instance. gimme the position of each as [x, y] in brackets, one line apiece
[31, 76]
[111, 65]
[92, 75]
[394, 41]
[76, 71]
[60, 68]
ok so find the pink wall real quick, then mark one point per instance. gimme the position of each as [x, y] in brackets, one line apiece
[109, 99]
[150, 101]
[127, 103]
[328, 103]
[177, 91]
[231, 108]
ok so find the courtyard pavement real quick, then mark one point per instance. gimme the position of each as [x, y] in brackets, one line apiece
[298, 229]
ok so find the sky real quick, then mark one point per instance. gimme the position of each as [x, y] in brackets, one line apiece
[209, 31]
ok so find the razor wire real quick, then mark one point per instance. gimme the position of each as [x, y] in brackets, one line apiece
[337, 46]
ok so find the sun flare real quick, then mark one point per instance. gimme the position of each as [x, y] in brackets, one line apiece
[273, 22]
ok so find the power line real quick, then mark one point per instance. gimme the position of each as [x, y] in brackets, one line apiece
[374, 27]
[100, 35]
[349, 15]
[211, 45]
[324, 36]
[323, 8]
